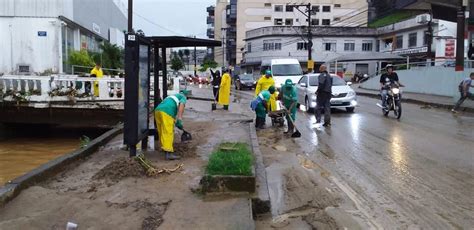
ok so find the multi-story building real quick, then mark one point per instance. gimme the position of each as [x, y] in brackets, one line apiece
[231, 33]
[253, 14]
[217, 31]
[39, 35]
[210, 29]
[328, 43]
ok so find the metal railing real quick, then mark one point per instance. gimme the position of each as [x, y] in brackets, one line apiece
[79, 69]
[60, 88]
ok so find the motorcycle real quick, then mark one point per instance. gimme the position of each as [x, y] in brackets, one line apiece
[394, 102]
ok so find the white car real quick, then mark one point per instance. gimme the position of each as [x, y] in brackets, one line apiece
[343, 96]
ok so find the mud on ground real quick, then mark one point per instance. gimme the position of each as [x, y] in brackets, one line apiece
[110, 191]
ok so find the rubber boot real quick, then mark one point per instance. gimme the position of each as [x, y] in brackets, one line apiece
[226, 107]
[171, 156]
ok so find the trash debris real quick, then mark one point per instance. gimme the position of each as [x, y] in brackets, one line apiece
[71, 226]
[151, 170]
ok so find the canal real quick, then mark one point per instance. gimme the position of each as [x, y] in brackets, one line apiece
[27, 147]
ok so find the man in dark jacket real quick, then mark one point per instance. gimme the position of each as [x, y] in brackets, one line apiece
[323, 96]
[216, 82]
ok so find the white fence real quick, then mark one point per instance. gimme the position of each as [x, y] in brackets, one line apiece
[60, 88]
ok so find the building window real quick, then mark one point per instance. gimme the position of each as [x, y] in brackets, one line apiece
[412, 40]
[425, 37]
[278, 22]
[278, 8]
[267, 18]
[349, 46]
[302, 46]
[278, 46]
[399, 42]
[314, 9]
[326, 22]
[289, 21]
[297, 20]
[289, 8]
[268, 5]
[249, 47]
[271, 45]
[337, 5]
[315, 22]
[329, 46]
[326, 8]
[367, 45]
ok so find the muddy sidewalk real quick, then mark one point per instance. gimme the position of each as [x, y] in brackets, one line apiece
[110, 191]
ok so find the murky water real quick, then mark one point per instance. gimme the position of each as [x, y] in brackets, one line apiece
[22, 153]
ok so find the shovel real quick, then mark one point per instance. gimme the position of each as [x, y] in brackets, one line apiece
[186, 136]
[297, 133]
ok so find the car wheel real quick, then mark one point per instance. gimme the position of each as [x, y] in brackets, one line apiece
[350, 109]
[306, 104]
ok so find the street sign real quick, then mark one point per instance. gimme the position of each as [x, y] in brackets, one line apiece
[42, 33]
[310, 64]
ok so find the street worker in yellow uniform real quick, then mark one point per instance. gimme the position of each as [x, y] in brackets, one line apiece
[97, 71]
[224, 90]
[264, 83]
[168, 114]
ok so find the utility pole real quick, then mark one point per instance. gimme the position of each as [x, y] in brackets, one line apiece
[460, 35]
[307, 13]
[130, 16]
[429, 40]
[195, 66]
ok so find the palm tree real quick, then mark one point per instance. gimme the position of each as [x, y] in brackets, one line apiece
[181, 54]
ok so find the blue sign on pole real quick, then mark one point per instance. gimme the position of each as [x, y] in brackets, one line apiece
[42, 33]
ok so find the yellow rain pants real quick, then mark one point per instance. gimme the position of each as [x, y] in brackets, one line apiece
[165, 128]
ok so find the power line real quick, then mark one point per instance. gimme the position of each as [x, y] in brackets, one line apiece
[153, 23]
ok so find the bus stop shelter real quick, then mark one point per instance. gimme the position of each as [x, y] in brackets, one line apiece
[140, 53]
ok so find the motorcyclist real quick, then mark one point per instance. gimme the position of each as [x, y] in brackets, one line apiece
[386, 80]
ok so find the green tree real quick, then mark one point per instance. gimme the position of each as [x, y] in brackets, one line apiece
[176, 64]
[208, 63]
[80, 58]
[112, 56]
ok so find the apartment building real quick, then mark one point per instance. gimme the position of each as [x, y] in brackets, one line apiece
[253, 14]
[217, 22]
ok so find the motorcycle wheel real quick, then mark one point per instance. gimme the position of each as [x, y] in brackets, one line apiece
[398, 110]
[387, 111]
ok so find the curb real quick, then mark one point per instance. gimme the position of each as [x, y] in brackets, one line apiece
[13, 188]
[418, 102]
[261, 202]
[201, 98]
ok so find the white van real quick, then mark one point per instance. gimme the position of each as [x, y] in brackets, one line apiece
[283, 69]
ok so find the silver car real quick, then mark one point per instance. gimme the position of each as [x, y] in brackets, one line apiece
[343, 96]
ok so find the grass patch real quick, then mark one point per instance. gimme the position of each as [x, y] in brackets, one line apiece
[231, 159]
[393, 18]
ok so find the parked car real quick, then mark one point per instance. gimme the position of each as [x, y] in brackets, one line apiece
[343, 96]
[245, 81]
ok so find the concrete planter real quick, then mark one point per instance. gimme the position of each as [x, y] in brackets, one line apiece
[228, 183]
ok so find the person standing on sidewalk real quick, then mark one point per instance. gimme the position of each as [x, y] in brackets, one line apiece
[264, 83]
[224, 90]
[97, 71]
[168, 114]
[323, 96]
[464, 87]
[289, 98]
[216, 82]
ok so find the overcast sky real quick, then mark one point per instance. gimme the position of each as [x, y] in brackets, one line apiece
[172, 17]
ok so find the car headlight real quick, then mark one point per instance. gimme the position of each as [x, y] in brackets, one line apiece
[254, 82]
[351, 94]
[313, 97]
[396, 91]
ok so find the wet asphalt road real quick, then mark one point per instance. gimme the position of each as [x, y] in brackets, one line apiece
[417, 172]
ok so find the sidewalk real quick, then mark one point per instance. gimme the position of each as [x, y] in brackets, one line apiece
[110, 191]
[422, 99]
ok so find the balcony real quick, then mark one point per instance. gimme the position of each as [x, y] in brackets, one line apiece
[210, 10]
[210, 32]
[210, 20]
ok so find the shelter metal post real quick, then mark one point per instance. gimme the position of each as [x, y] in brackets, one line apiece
[156, 78]
[165, 74]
